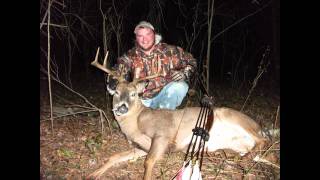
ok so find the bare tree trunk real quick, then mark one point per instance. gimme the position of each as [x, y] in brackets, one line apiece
[69, 67]
[223, 55]
[116, 23]
[210, 17]
[49, 76]
[104, 38]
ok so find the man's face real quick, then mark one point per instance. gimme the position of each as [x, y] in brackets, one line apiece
[145, 38]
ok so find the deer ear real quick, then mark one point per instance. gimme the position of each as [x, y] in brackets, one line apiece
[141, 86]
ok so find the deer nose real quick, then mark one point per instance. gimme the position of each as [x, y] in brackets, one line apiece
[123, 109]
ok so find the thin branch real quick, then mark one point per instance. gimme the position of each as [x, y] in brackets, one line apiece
[261, 69]
[84, 98]
[61, 4]
[217, 35]
[83, 22]
[71, 114]
[55, 25]
[54, 69]
[181, 7]
[161, 14]
[46, 13]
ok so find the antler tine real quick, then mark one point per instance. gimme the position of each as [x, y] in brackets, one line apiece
[149, 77]
[96, 58]
[105, 60]
[102, 67]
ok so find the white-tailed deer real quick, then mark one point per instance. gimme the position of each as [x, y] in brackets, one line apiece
[154, 130]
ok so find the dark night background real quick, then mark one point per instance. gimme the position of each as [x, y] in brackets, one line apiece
[235, 54]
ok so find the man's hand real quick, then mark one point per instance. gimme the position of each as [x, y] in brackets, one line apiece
[178, 76]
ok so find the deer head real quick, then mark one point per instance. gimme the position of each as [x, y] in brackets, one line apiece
[126, 96]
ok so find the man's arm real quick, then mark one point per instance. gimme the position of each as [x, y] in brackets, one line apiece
[186, 64]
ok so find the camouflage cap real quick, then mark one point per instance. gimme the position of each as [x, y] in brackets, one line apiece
[144, 24]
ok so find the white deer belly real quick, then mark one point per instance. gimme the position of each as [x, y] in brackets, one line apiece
[224, 135]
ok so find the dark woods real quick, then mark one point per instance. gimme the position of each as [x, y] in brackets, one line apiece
[243, 37]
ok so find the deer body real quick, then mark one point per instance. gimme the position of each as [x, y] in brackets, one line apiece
[226, 132]
[155, 131]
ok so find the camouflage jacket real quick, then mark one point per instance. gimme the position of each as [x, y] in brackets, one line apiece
[161, 60]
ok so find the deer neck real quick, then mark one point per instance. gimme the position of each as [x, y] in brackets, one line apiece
[129, 122]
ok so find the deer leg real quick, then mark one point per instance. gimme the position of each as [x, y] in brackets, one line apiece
[158, 148]
[117, 158]
[260, 146]
[256, 150]
[269, 158]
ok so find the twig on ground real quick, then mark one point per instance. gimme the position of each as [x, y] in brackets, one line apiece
[71, 114]
[262, 160]
[277, 116]
[86, 100]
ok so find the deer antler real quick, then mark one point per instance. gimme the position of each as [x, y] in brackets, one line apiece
[136, 81]
[137, 73]
[148, 77]
[104, 66]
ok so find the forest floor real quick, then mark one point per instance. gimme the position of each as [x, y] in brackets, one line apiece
[76, 146]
